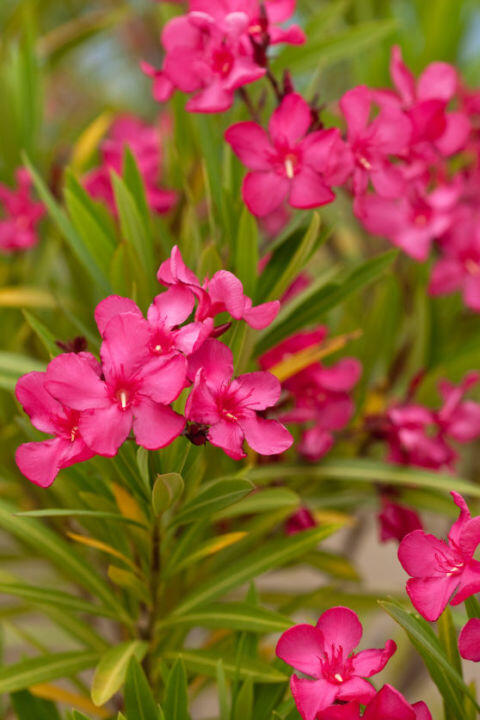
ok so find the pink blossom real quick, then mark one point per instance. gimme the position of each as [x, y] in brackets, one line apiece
[459, 418]
[319, 396]
[415, 439]
[373, 143]
[287, 163]
[136, 390]
[325, 653]
[426, 102]
[387, 704]
[21, 214]
[300, 520]
[397, 520]
[222, 293]
[469, 640]
[41, 461]
[442, 572]
[144, 142]
[229, 407]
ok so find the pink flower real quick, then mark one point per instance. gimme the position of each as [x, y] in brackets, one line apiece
[136, 390]
[440, 569]
[459, 418]
[414, 438]
[397, 520]
[229, 406]
[426, 102]
[144, 143]
[21, 214]
[387, 704]
[325, 652]
[288, 164]
[319, 395]
[205, 57]
[301, 520]
[373, 143]
[222, 293]
[469, 640]
[41, 461]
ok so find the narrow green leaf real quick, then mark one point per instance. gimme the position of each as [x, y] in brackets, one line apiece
[44, 668]
[46, 598]
[176, 695]
[13, 365]
[234, 616]
[211, 498]
[139, 702]
[93, 235]
[72, 512]
[448, 639]
[264, 501]
[472, 607]
[205, 662]
[43, 333]
[134, 182]
[223, 700]
[112, 669]
[29, 707]
[246, 252]
[166, 491]
[244, 702]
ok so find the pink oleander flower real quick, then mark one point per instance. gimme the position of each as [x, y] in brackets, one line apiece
[426, 102]
[442, 572]
[397, 520]
[144, 142]
[20, 215]
[458, 267]
[387, 704]
[325, 653]
[287, 163]
[135, 391]
[459, 418]
[40, 462]
[469, 640]
[221, 293]
[319, 395]
[229, 407]
[299, 521]
[374, 143]
[413, 221]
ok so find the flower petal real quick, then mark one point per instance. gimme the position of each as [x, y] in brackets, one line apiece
[356, 689]
[71, 379]
[389, 703]
[251, 145]
[370, 662]
[309, 190]
[257, 390]
[260, 316]
[340, 626]
[216, 361]
[264, 192]
[469, 640]
[266, 437]
[171, 307]
[418, 553]
[302, 647]
[312, 696]
[290, 122]
[40, 462]
[155, 425]
[125, 346]
[111, 306]
[229, 437]
[42, 409]
[430, 595]
[105, 429]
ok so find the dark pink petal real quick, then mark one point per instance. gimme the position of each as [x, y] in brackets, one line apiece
[173, 271]
[429, 120]
[438, 81]
[264, 192]
[402, 77]
[155, 426]
[418, 553]
[293, 35]
[290, 122]
[180, 67]
[396, 521]
[40, 462]
[125, 346]
[315, 443]
[201, 406]
[387, 180]
[456, 134]
[340, 626]
[257, 390]
[309, 190]
[471, 292]
[459, 524]
[469, 640]
[340, 377]
[180, 31]
[216, 361]
[111, 306]
[356, 688]
[447, 276]
[163, 378]
[312, 696]
[106, 428]
[421, 711]
[355, 105]
[370, 662]
[244, 71]
[190, 337]
[279, 10]
[389, 703]
[469, 582]
[42, 409]
[213, 99]
[171, 307]
[465, 424]
[225, 288]
[267, 437]
[229, 437]
[430, 595]
[260, 316]
[72, 380]
[251, 145]
[350, 711]
[325, 152]
[302, 647]
[391, 132]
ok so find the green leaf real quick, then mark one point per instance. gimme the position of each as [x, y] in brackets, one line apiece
[263, 501]
[205, 662]
[134, 182]
[29, 707]
[13, 365]
[271, 555]
[139, 702]
[176, 695]
[212, 497]
[44, 668]
[112, 669]
[46, 337]
[233, 616]
[448, 639]
[47, 598]
[166, 491]
[72, 512]
[94, 237]
[308, 308]
[472, 607]
[223, 699]
[244, 702]
[246, 252]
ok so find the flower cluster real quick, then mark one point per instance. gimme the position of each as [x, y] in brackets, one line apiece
[442, 572]
[20, 215]
[145, 363]
[325, 652]
[145, 144]
[319, 397]
[219, 46]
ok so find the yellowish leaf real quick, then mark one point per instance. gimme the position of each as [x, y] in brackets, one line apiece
[24, 296]
[103, 547]
[57, 694]
[127, 505]
[89, 141]
[332, 516]
[297, 362]
[210, 547]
